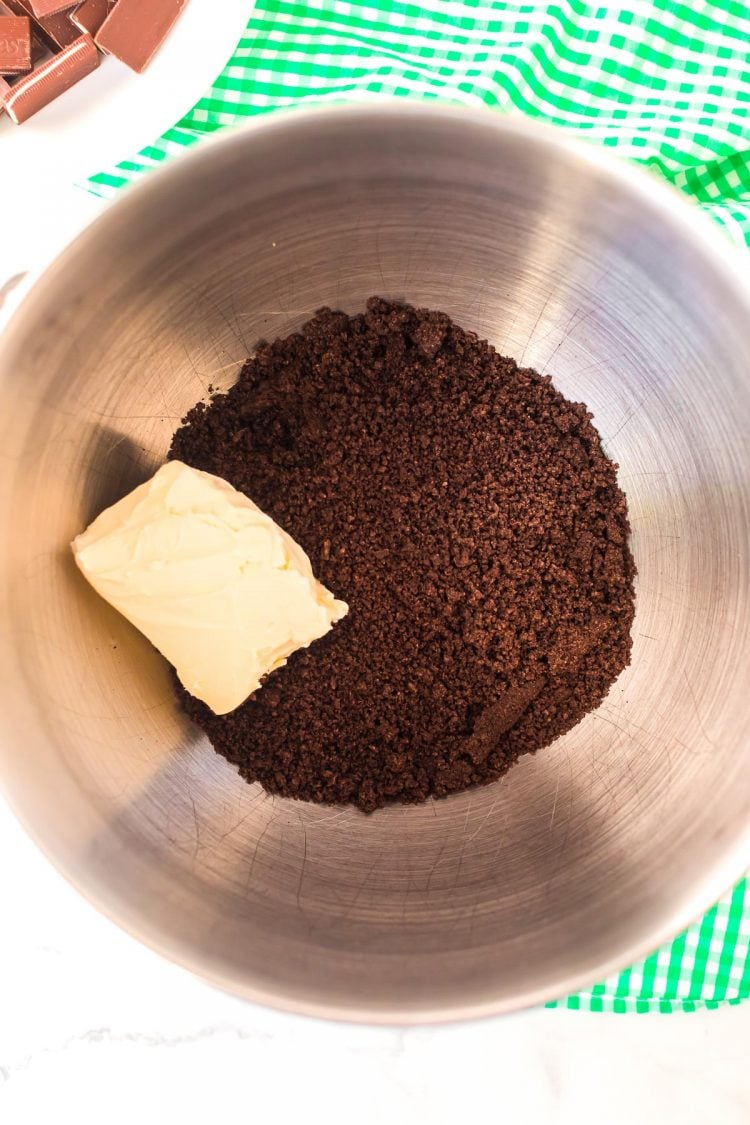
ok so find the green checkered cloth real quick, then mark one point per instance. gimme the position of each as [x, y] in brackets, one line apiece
[660, 81]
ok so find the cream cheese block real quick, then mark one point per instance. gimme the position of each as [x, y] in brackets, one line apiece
[217, 587]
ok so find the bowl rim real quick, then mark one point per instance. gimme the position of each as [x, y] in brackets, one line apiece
[725, 257]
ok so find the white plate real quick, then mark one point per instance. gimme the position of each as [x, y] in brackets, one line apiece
[113, 113]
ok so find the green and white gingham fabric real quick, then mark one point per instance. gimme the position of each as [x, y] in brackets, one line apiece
[663, 82]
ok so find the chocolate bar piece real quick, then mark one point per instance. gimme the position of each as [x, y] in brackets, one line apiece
[43, 8]
[5, 89]
[15, 44]
[39, 50]
[90, 16]
[135, 29]
[56, 31]
[48, 81]
[4, 86]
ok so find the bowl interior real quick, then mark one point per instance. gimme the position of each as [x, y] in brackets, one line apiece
[586, 854]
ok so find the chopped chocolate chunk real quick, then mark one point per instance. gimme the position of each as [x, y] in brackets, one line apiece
[15, 44]
[43, 8]
[135, 29]
[90, 15]
[48, 81]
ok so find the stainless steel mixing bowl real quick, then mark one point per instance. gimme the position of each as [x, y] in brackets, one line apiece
[586, 855]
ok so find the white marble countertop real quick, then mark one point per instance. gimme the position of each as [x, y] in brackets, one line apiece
[94, 1026]
[93, 1021]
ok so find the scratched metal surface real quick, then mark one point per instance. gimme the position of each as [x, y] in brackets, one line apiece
[587, 854]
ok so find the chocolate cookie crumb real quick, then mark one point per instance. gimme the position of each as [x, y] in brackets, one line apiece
[466, 512]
